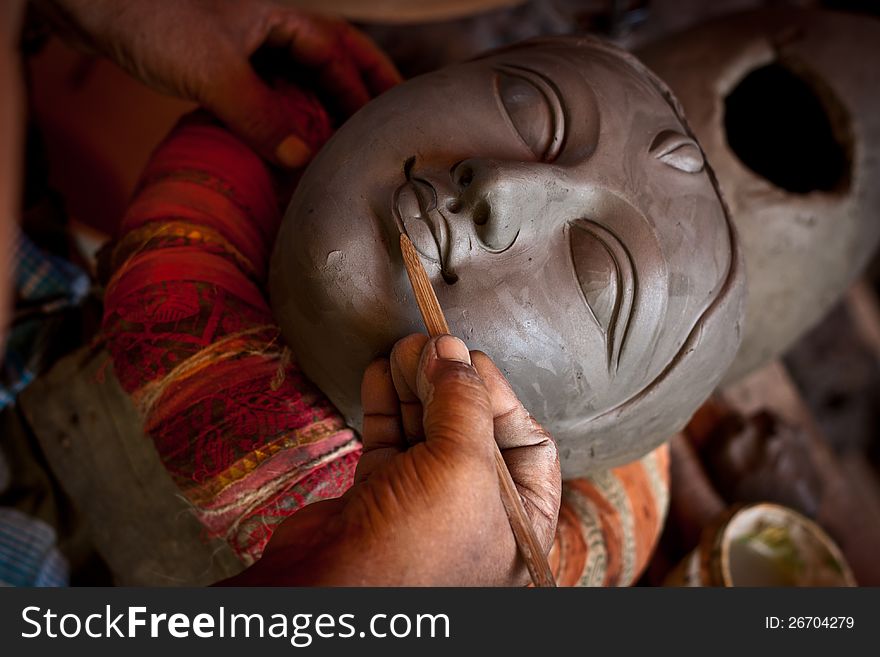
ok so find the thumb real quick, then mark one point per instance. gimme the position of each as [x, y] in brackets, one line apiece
[457, 408]
[285, 125]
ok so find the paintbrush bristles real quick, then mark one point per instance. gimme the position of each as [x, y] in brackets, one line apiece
[426, 300]
[523, 530]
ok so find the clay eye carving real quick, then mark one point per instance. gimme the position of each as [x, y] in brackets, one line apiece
[678, 151]
[607, 279]
[533, 107]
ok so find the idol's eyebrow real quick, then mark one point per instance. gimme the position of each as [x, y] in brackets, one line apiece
[554, 99]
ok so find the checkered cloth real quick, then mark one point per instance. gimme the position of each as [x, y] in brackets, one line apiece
[29, 554]
[44, 285]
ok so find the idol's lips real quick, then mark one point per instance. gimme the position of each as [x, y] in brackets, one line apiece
[414, 207]
[414, 218]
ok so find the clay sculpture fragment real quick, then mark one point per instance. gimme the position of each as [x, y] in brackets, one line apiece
[785, 104]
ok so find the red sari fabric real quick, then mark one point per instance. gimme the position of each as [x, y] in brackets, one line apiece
[247, 438]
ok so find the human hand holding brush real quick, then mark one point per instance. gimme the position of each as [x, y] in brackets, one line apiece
[425, 507]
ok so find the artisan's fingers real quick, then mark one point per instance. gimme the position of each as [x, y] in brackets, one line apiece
[457, 410]
[382, 424]
[346, 64]
[377, 69]
[248, 106]
[318, 43]
[519, 428]
[528, 450]
[405, 357]
[382, 430]
[341, 80]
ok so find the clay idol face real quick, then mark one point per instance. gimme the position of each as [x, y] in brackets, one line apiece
[569, 224]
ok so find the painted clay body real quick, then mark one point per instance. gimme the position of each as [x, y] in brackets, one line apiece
[569, 223]
[785, 105]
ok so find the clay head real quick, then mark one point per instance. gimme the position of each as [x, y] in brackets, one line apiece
[785, 103]
[569, 222]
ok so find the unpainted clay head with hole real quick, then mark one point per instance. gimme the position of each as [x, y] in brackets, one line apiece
[785, 103]
[569, 223]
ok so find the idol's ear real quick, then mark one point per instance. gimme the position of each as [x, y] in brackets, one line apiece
[605, 272]
[678, 151]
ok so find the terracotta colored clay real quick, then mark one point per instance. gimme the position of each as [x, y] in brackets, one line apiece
[609, 524]
[569, 223]
[785, 105]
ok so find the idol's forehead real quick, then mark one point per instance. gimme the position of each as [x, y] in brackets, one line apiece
[575, 65]
[572, 61]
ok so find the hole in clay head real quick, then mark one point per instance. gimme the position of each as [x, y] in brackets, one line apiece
[779, 128]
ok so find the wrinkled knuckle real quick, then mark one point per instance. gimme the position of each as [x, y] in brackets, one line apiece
[464, 378]
[476, 355]
[380, 366]
[406, 352]
[480, 360]
[411, 343]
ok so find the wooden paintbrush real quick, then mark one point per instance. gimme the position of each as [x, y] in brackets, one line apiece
[435, 322]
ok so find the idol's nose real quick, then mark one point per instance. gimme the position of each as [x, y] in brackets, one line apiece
[492, 196]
